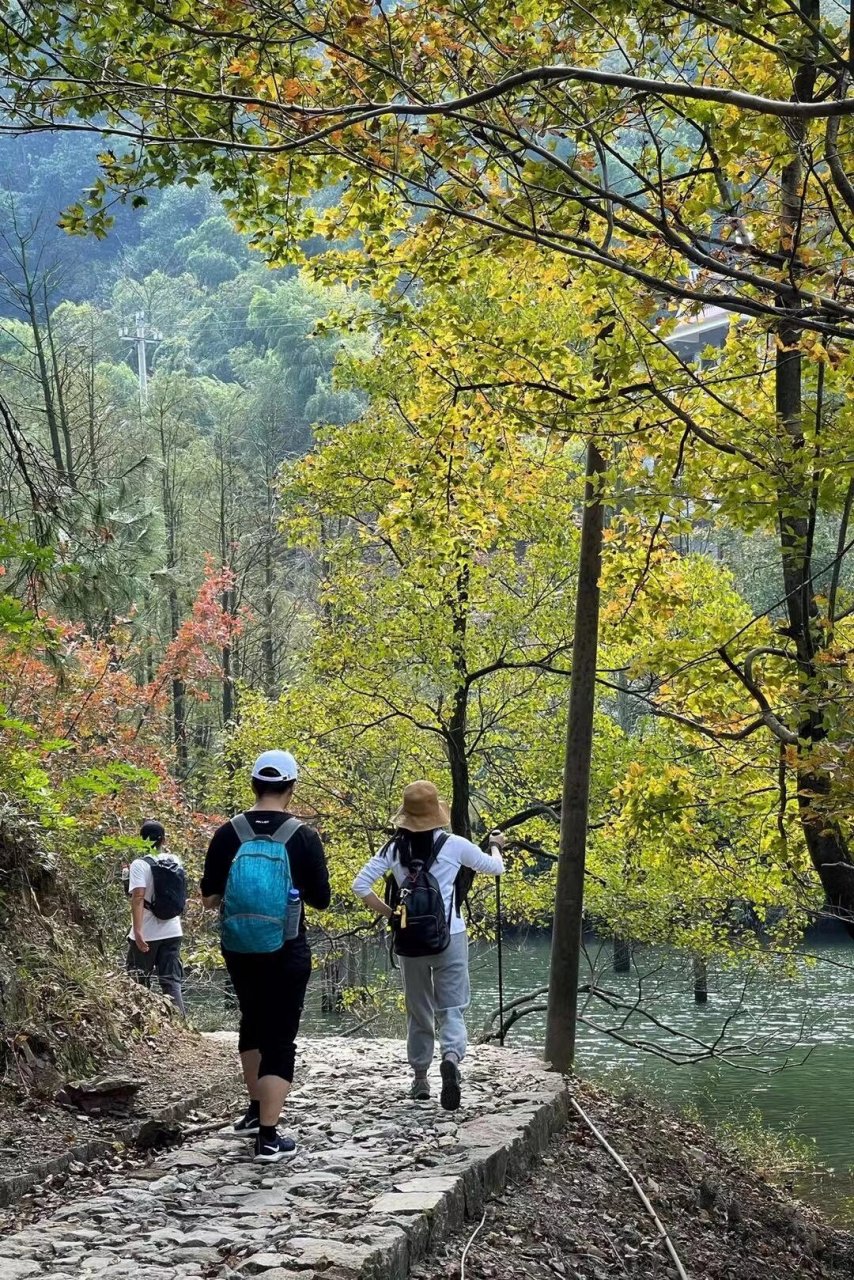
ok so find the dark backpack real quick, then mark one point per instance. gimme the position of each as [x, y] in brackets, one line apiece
[419, 923]
[169, 892]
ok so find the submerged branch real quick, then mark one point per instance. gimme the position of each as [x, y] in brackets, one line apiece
[681, 1048]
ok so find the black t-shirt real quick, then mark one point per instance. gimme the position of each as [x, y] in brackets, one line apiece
[305, 852]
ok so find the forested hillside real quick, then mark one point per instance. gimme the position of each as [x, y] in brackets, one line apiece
[235, 382]
[148, 581]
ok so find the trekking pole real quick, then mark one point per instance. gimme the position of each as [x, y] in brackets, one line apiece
[494, 849]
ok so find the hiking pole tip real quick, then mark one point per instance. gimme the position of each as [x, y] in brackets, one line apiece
[495, 847]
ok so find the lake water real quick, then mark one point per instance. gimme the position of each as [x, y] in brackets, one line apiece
[764, 1021]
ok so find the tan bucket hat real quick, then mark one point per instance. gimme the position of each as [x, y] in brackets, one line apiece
[422, 810]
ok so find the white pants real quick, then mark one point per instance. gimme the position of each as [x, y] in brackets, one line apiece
[437, 991]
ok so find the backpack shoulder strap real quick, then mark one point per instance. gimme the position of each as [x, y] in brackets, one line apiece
[151, 861]
[438, 844]
[243, 827]
[392, 888]
[283, 833]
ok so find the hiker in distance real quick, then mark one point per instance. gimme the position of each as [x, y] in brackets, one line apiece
[426, 884]
[157, 887]
[261, 868]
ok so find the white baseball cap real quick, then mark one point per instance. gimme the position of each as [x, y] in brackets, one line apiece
[275, 766]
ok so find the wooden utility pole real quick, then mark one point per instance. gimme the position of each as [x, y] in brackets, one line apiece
[569, 892]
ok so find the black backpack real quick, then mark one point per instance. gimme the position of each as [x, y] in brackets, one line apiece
[419, 924]
[169, 888]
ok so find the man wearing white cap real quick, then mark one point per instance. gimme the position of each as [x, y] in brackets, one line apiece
[261, 868]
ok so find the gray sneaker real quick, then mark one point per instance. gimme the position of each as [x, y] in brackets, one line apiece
[419, 1090]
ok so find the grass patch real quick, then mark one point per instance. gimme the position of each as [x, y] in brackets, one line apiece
[778, 1153]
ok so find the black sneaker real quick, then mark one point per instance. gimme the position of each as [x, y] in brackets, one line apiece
[271, 1150]
[247, 1126]
[450, 1095]
[419, 1090]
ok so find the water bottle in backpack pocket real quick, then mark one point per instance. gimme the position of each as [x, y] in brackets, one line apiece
[255, 905]
[294, 915]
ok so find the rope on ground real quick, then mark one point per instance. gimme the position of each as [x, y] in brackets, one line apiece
[618, 1159]
[469, 1244]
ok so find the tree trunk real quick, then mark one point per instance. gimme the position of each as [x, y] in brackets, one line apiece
[179, 696]
[459, 766]
[622, 959]
[227, 596]
[701, 980]
[94, 463]
[457, 746]
[352, 965]
[179, 688]
[269, 665]
[825, 841]
[179, 723]
[227, 675]
[60, 396]
[26, 296]
[268, 648]
[47, 389]
[625, 717]
[569, 892]
[330, 986]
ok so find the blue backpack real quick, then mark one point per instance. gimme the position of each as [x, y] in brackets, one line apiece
[255, 902]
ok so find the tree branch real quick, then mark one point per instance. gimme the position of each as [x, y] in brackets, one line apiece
[840, 543]
[361, 112]
[771, 721]
[655, 709]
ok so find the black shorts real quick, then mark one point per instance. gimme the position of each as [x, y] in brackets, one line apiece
[163, 957]
[270, 990]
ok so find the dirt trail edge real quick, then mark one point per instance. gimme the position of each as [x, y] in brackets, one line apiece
[577, 1216]
[183, 1071]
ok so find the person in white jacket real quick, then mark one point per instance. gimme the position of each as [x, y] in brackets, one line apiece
[436, 987]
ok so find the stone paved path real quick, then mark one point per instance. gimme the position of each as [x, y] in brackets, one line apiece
[375, 1179]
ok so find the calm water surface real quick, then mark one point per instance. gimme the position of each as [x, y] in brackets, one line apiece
[806, 1023]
